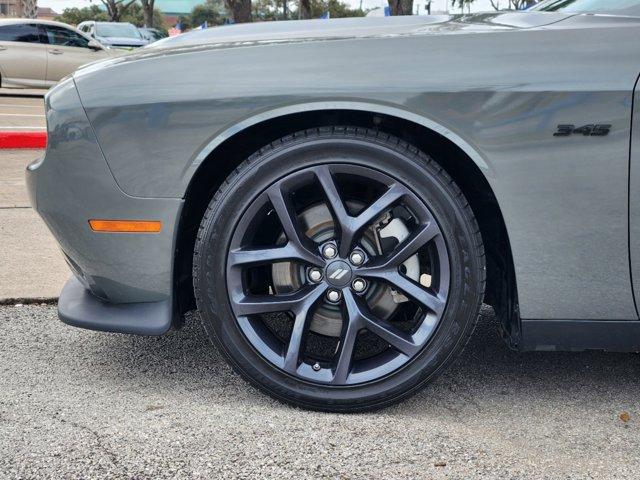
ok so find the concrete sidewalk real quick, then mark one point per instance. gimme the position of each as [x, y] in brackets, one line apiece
[31, 265]
[22, 114]
[23, 92]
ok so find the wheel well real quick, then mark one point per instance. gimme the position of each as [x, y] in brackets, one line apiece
[501, 291]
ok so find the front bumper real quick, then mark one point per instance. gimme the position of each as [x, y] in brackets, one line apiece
[126, 278]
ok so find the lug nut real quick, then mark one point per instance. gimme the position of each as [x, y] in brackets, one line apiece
[359, 285]
[316, 366]
[329, 251]
[315, 275]
[333, 296]
[356, 257]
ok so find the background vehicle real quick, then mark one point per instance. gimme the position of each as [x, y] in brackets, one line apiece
[38, 53]
[152, 34]
[338, 198]
[610, 7]
[114, 34]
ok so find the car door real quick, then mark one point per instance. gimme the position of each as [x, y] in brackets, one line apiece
[23, 55]
[67, 50]
[86, 29]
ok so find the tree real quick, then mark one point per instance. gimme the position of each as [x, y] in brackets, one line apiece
[519, 4]
[401, 7]
[512, 4]
[304, 9]
[116, 8]
[335, 8]
[135, 14]
[461, 4]
[265, 10]
[30, 8]
[147, 8]
[209, 13]
[74, 16]
[239, 10]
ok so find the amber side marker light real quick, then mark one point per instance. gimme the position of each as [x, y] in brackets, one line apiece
[126, 226]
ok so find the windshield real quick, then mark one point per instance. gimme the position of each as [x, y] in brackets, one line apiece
[125, 30]
[612, 7]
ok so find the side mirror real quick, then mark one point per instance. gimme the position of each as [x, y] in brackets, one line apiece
[95, 45]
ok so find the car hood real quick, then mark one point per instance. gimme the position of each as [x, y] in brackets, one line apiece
[122, 41]
[298, 31]
[367, 27]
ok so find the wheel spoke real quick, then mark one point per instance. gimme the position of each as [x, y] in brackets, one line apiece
[298, 332]
[348, 339]
[406, 249]
[421, 295]
[415, 242]
[290, 251]
[289, 221]
[293, 302]
[394, 337]
[349, 227]
[323, 174]
[417, 292]
[390, 334]
[342, 219]
[381, 205]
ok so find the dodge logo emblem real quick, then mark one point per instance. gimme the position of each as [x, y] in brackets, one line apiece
[338, 273]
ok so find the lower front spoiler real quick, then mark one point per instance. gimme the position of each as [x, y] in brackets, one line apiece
[79, 308]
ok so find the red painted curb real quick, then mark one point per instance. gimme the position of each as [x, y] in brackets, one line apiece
[23, 139]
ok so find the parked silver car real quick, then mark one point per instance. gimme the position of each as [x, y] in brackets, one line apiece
[38, 53]
[114, 34]
[152, 34]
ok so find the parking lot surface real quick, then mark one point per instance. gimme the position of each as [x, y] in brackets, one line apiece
[31, 265]
[80, 404]
[22, 113]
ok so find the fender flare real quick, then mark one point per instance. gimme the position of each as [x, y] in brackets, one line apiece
[364, 106]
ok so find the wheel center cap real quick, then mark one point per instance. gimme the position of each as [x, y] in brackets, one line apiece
[338, 273]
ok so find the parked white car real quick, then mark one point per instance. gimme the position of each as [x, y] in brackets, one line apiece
[114, 34]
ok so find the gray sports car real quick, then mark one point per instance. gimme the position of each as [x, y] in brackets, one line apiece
[338, 198]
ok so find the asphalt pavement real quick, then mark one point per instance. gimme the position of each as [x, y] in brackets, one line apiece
[81, 404]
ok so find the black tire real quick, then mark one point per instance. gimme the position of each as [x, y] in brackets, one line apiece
[394, 157]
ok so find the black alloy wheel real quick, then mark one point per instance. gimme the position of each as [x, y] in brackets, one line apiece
[339, 269]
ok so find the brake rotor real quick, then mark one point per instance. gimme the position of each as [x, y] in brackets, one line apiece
[318, 225]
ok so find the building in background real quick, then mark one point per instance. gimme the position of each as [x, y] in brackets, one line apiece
[46, 13]
[10, 8]
[18, 8]
[172, 9]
